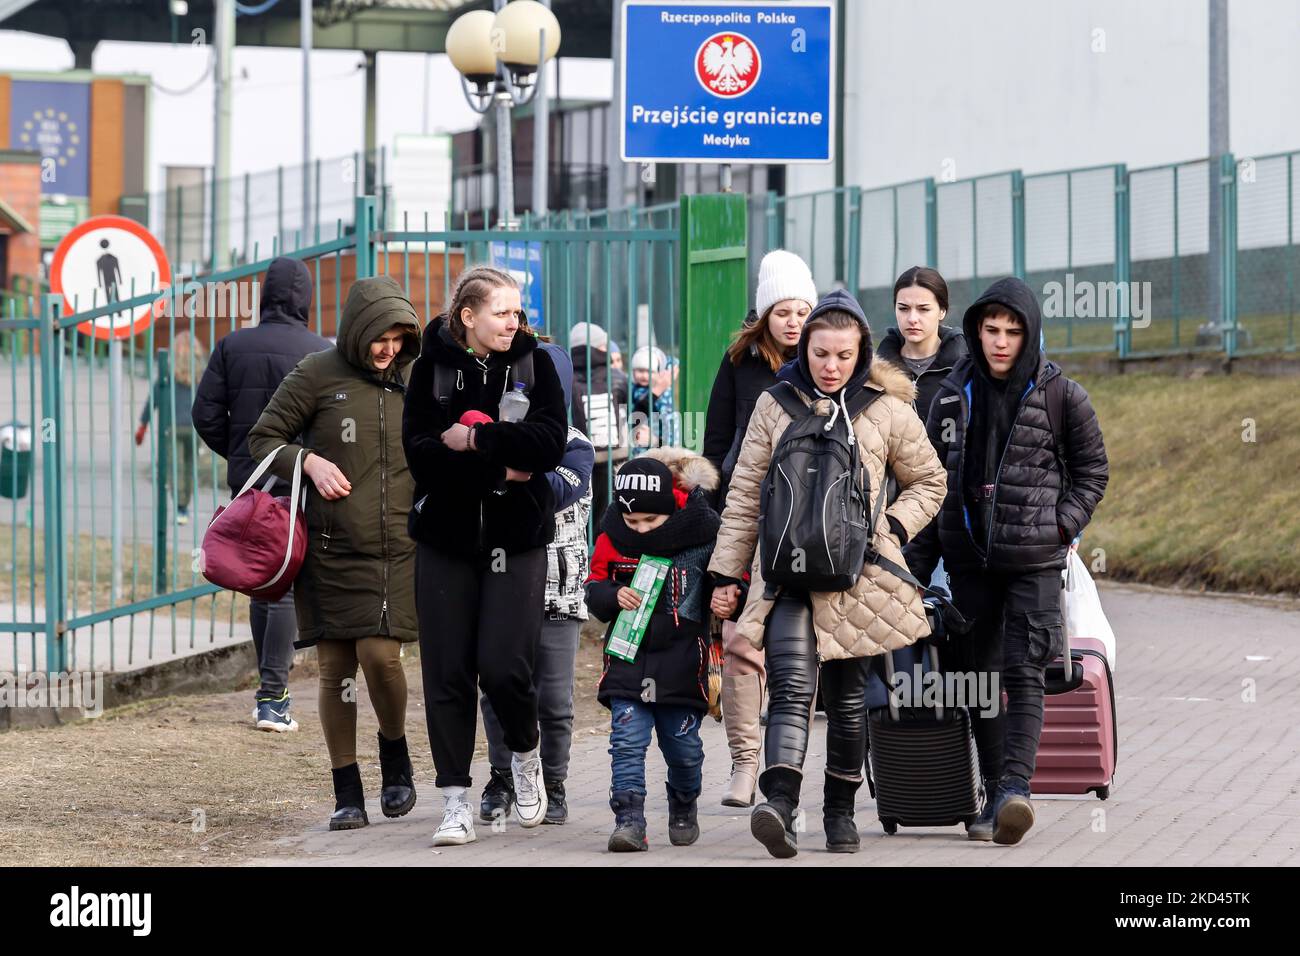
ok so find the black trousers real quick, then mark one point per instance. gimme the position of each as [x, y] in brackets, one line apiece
[1017, 631]
[792, 674]
[480, 624]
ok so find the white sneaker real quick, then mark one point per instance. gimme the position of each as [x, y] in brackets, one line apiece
[457, 826]
[530, 794]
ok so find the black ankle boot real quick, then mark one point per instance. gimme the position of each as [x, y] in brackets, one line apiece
[683, 826]
[398, 795]
[349, 799]
[772, 822]
[837, 815]
[629, 822]
[498, 796]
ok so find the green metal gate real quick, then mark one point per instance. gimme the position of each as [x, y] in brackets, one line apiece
[100, 574]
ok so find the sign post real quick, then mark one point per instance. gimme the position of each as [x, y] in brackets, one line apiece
[104, 260]
[725, 83]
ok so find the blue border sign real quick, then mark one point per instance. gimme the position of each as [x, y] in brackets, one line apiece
[741, 82]
[523, 260]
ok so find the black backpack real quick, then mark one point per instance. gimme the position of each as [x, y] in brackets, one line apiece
[814, 531]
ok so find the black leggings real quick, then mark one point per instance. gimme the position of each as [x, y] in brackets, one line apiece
[791, 647]
[480, 623]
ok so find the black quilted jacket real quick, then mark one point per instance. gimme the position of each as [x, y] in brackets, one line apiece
[1040, 504]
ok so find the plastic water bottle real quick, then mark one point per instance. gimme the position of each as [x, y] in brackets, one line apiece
[514, 405]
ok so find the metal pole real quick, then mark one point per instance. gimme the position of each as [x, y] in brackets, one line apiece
[224, 31]
[372, 109]
[505, 152]
[424, 111]
[1219, 145]
[724, 177]
[614, 123]
[306, 28]
[541, 129]
[505, 161]
[115, 460]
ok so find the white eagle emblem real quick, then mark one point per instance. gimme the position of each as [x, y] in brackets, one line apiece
[728, 64]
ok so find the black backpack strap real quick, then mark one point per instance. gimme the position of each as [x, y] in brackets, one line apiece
[444, 379]
[523, 372]
[1054, 396]
[953, 620]
[858, 403]
[789, 398]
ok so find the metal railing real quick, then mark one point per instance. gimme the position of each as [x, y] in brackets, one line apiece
[104, 577]
[1121, 259]
[262, 212]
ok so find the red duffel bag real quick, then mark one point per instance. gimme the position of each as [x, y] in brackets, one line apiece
[256, 544]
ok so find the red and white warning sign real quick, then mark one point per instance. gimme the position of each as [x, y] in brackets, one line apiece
[110, 259]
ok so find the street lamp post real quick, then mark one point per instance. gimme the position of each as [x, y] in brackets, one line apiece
[500, 58]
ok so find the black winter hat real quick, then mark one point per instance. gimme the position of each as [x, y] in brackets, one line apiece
[644, 486]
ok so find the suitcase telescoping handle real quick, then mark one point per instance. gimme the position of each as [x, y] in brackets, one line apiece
[933, 653]
[1070, 673]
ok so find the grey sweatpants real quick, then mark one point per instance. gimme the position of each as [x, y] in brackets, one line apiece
[553, 673]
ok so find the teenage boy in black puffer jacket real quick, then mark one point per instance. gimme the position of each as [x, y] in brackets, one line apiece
[662, 510]
[1026, 469]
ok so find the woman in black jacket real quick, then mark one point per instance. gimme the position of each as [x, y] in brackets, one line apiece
[921, 345]
[768, 339]
[482, 516]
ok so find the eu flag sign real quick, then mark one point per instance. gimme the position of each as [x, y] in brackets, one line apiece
[742, 82]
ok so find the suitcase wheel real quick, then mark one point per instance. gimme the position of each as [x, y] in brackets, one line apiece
[1102, 792]
[891, 826]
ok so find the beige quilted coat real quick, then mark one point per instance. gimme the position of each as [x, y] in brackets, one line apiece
[879, 613]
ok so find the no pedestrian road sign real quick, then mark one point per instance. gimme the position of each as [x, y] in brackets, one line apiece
[110, 259]
[743, 82]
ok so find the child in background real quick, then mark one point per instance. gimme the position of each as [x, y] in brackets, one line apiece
[652, 400]
[660, 508]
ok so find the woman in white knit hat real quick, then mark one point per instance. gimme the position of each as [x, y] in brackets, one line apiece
[768, 339]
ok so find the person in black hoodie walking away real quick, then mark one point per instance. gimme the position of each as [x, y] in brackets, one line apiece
[245, 369]
[1026, 469]
[769, 338]
[482, 517]
[661, 508]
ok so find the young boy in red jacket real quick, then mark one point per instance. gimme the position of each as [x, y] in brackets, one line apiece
[660, 508]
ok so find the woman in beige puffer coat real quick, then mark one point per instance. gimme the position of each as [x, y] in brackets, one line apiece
[840, 630]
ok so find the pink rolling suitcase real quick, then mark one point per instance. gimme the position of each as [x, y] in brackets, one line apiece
[1077, 751]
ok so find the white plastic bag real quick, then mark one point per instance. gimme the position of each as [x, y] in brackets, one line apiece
[1081, 608]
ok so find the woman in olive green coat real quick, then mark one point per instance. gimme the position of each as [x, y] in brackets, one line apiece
[355, 595]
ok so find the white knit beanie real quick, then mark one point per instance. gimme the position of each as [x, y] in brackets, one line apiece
[589, 334]
[650, 359]
[783, 275]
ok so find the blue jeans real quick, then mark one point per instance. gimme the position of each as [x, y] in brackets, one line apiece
[678, 731]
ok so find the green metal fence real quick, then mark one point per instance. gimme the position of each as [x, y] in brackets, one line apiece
[1121, 259]
[103, 575]
[262, 210]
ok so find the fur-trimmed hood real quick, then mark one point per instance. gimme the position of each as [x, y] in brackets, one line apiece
[891, 380]
[690, 471]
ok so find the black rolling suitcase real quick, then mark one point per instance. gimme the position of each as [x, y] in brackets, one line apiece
[922, 765]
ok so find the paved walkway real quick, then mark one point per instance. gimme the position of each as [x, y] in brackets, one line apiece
[1209, 770]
